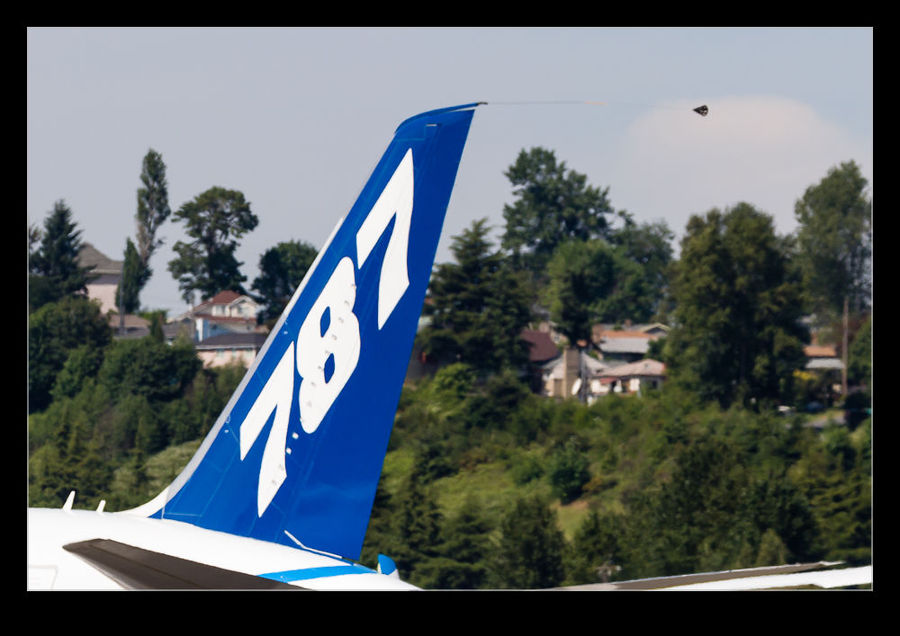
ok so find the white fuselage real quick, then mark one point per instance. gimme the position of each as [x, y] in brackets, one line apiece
[50, 567]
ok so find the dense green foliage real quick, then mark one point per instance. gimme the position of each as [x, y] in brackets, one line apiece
[738, 309]
[282, 268]
[214, 219]
[54, 331]
[114, 406]
[835, 236]
[477, 306]
[552, 205]
[671, 486]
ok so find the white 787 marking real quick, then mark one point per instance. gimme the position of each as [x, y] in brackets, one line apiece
[340, 343]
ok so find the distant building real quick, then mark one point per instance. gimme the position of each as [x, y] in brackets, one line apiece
[569, 373]
[106, 276]
[822, 358]
[230, 348]
[223, 329]
[541, 348]
[626, 345]
[226, 312]
[636, 377]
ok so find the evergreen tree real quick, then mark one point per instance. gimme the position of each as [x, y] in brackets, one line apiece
[478, 307]
[461, 560]
[56, 261]
[417, 526]
[530, 550]
[379, 534]
[595, 549]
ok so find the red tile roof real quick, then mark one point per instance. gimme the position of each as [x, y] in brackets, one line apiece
[223, 298]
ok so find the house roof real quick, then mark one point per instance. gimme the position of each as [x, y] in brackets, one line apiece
[824, 364]
[641, 368]
[540, 346]
[625, 344]
[236, 340]
[819, 351]
[131, 322]
[90, 256]
[223, 298]
[653, 331]
[555, 369]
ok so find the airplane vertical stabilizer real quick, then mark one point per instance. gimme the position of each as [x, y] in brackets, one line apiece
[296, 454]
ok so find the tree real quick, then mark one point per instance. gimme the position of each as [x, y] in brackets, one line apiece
[581, 274]
[128, 291]
[215, 219]
[81, 363]
[835, 239]
[148, 368]
[738, 333]
[56, 261]
[54, 331]
[648, 247]
[468, 547]
[595, 548]
[530, 549]
[553, 205]
[418, 529]
[568, 471]
[282, 268]
[860, 355]
[478, 307]
[152, 210]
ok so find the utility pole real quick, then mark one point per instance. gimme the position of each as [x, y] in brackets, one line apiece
[844, 347]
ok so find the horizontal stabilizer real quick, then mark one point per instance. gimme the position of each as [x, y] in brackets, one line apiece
[139, 569]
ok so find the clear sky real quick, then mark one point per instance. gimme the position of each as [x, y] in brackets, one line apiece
[296, 118]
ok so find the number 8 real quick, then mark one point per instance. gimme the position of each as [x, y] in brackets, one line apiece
[338, 341]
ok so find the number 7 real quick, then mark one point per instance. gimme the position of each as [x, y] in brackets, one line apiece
[395, 200]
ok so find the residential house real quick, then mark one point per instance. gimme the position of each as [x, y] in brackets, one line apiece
[626, 345]
[230, 348]
[571, 374]
[822, 360]
[223, 329]
[106, 275]
[633, 378]
[226, 312]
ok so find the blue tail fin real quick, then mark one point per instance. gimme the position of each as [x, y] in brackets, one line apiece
[296, 455]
